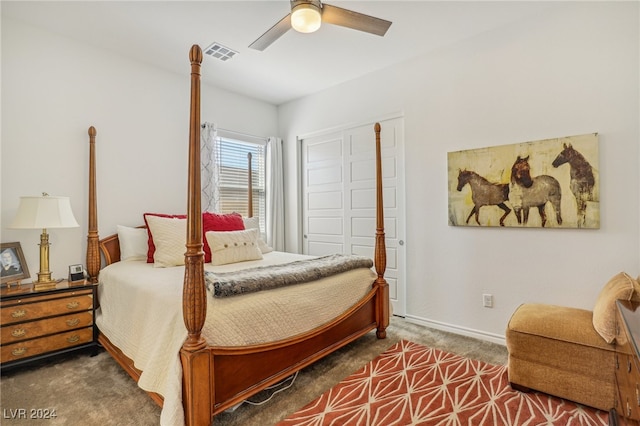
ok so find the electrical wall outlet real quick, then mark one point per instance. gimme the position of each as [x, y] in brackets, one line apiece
[487, 300]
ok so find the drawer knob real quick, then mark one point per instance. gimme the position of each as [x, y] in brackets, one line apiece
[73, 305]
[18, 332]
[19, 313]
[628, 365]
[72, 322]
[19, 351]
[73, 339]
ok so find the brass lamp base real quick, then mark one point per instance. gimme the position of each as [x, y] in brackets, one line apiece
[45, 285]
[44, 276]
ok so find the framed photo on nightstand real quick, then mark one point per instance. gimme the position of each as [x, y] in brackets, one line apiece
[14, 265]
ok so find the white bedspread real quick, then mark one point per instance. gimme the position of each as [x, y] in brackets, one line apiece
[141, 313]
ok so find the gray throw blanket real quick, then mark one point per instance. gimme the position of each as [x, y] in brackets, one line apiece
[225, 284]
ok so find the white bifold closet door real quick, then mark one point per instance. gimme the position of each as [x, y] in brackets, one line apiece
[339, 197]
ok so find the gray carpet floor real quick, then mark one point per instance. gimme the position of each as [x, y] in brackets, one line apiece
[94, 390]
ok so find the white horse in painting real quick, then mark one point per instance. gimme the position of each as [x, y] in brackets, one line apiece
[526, 192]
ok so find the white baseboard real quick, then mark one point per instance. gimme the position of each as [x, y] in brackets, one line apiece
[456, 329]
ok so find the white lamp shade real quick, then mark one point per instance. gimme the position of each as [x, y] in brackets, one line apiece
[306, 18]
[44, 212]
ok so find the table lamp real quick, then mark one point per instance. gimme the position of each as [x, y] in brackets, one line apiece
[42, 213]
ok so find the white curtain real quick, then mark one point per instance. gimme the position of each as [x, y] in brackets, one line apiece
[275, 194]
[209, 168]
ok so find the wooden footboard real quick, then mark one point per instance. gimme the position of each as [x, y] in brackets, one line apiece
[241, 372]
[217, 378]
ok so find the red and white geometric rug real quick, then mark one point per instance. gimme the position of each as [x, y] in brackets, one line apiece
[411, 384]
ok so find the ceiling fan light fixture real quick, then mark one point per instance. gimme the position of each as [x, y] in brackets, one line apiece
[306, 18]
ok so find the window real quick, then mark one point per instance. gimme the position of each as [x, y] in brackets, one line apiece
[233, 169]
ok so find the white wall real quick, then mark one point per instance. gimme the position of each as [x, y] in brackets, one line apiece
[53, 89]
[569, 72]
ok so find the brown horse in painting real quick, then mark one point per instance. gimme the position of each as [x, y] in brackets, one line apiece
[526, 192]
[484, 193]
[582, 181]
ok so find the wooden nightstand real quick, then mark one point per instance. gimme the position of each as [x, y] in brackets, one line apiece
[627, 410]
[39, 324]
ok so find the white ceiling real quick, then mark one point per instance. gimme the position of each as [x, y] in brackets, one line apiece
[161, 32]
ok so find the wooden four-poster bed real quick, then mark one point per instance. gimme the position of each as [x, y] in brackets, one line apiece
[218, 377]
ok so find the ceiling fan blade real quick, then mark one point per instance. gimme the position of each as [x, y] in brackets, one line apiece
[354, 20]
[272, 34]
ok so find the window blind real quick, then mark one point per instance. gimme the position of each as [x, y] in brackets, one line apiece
[234, 171]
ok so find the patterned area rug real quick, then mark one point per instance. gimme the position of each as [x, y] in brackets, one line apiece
[411, 384]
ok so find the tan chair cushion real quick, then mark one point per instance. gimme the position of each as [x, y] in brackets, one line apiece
[619, 287]
[562, 323]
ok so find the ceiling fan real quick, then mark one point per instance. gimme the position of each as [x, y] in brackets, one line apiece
[307, 15]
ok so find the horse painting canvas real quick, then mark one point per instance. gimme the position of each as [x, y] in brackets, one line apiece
[550, 183]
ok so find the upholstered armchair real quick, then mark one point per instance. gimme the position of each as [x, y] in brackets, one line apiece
[569, 352]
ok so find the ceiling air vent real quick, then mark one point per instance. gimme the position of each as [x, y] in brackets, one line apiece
[218, 51]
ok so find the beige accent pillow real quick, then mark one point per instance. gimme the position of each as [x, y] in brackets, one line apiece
[620, 287]
[233, 246]
[170, 238]
[133, 243]
[254, 223]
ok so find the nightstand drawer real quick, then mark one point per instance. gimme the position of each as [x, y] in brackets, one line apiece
[33, 329]
[43, 345]
[19, 312]
[627, 362]
[629, 405]
[628, 381]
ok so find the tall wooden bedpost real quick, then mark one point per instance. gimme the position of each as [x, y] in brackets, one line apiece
[93, 251]
[196, 362]
[380, 257]
[249, 186]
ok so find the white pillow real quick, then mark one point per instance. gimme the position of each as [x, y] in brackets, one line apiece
[233, 246]
[254, 223]
[170, 238]
[133, 243]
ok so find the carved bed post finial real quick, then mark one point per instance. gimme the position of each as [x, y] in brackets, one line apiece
[380, 259]
[93, 250]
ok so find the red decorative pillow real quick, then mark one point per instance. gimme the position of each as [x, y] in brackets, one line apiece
[222, 222]
[219, 222]
[210, 222]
